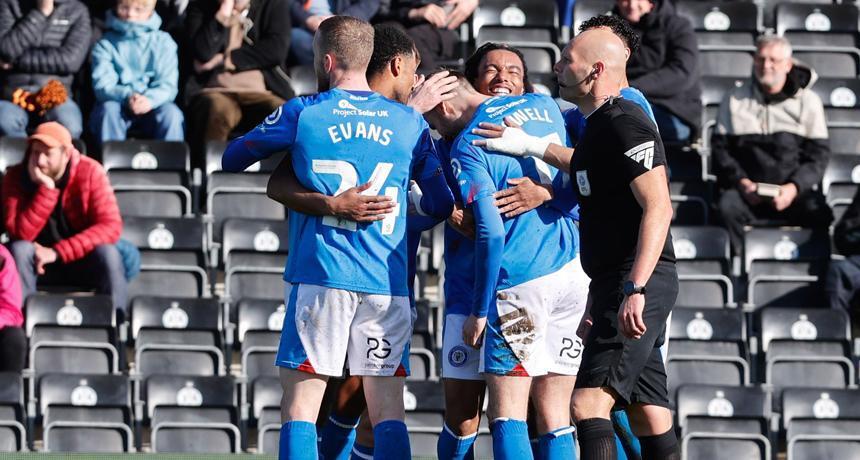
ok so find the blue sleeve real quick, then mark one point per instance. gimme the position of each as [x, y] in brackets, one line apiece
[437, 201]
[472, 173]
[489, 248]
[276, 133]
[564, 198]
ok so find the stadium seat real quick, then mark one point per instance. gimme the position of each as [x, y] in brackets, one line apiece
[500, 20]
[820, 411]
[841, 98]
[841, 178]
[586, 9]
[749, 446]
[422, 365]
[683, 369]
[12, 151]
[75, 335]
[813, 26]
[60, 318]
[737, 64]
[13, 434]
[703, 264]
[240, 195]
[844, 139]
[265, 402]
[722, 25]
[724, 409]
[146, 155]
[173, 256]
[830, 63]
[303, 80]
[192, 414]
[150, 178]
[783, 266]
[151, 193]
[801, 347]
[86, 413]
[259, 328]
[708, 332]
[177, 336]
[816, 447]
[215, 151]
[713, 91]
[690, 202]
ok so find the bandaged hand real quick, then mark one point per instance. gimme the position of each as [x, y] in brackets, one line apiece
[510, 140]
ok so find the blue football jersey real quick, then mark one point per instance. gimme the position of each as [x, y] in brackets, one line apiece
[340, 139]
[540, 241]
[575, 122]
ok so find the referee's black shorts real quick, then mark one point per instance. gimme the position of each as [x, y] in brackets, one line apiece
[633, 368]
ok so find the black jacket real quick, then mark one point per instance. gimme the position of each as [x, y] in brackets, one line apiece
[42, 48]
[266, 48]
[846, 235]
[773, 139]
[398, 10]
[666, 66]
[361, 9]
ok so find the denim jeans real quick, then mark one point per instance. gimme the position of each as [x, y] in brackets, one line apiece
[101, 269]
[842, 283]
[110, 121]
[14, 120]
[301, 47]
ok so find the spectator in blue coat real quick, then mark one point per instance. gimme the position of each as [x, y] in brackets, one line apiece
[136, 76]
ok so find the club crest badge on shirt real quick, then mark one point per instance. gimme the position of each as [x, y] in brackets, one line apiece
[582, 183]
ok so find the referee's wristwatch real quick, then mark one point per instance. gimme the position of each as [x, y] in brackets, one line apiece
[629, 288]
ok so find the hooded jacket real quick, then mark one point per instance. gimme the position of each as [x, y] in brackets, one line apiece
[773, 139]
[42, 48]
[666, 66]
[265, 49]
[135, 57]
[88, 203]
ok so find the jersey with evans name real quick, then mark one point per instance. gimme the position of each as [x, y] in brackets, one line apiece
[540, 241]
[340, 139]
[574, 121]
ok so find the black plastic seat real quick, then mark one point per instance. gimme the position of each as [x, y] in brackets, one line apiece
[86, 413]
[703, 264]
[192, 414]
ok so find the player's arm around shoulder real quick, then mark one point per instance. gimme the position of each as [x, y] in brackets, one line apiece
[276, 133]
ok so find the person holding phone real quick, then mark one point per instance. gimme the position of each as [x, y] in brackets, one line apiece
[770, 146]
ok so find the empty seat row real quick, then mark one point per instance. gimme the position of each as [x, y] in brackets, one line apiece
[717, 419]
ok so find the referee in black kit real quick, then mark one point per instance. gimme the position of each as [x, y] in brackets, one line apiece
[619, 172]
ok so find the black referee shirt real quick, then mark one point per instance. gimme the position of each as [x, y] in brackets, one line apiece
[619, 144]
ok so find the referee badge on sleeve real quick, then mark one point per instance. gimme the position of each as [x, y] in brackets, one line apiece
[582, 183]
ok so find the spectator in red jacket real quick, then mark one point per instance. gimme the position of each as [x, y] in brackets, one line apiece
[13, 342]
[62, 217]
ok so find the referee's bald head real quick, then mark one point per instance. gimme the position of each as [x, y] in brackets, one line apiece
[601, 45]
[344, 43]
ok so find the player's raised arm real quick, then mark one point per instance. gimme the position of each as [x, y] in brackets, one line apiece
[285, 188]
[514, 141]
[275, 134]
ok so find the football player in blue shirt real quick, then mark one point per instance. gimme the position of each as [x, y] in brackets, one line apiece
[391, 73]
[529, 292]
[494, 69]
[516, 142]
[347, 290]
